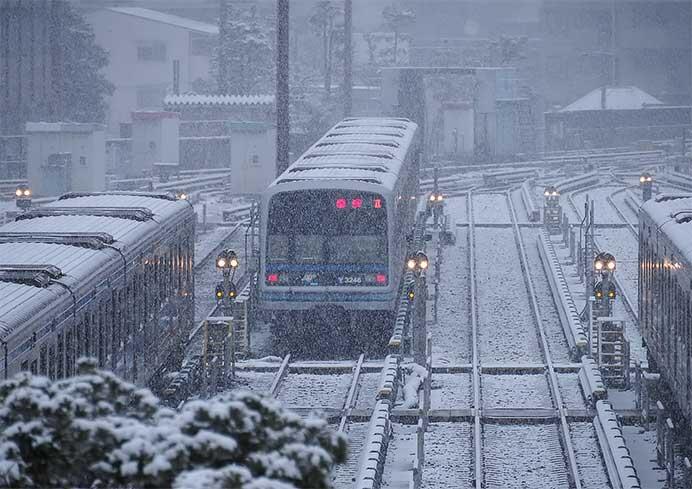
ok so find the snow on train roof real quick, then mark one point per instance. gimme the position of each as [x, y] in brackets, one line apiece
[672, 214]
[39, 241]
[369, 149]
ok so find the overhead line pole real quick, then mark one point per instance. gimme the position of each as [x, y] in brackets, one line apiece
[348, 58]
[282, 88]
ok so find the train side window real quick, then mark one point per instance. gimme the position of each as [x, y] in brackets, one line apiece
[25, 365]
[34, 367]
[60, 371]
[69, 353]
[78, 329]
[51, 362]
[43, 369]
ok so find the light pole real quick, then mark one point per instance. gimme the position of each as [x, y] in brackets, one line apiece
[418, 263]
[227, 261]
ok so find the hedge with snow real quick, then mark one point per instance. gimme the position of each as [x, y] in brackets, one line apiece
[95, 430]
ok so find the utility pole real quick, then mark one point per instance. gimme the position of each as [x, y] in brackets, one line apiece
[222, 75]
[348, 57]
[282, 88]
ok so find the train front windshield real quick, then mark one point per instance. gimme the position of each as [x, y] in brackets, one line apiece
[327, 237]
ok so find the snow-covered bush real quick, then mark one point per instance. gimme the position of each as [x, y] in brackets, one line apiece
[95, 430]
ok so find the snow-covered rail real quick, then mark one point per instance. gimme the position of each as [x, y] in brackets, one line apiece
[532, 209]
[567, 444]
[569, 316]
[591, 381]
[578, 182]
[617, 457]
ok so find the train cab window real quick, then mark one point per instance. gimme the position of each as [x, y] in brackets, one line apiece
[327, 226]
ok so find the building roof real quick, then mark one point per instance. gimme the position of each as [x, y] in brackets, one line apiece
[197, 99]
[616, 98]
[156, 16]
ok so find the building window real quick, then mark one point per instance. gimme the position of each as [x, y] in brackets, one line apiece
[150, 97]
[82, 160]
[151, 51]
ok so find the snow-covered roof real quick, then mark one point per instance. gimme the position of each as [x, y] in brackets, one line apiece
[197, 99]
[369, 150]
[164, 18]
[616, 98]
[672, 214]
[71, 241]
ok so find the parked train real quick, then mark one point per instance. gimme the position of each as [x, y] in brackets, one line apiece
[334, 224]
[106, 275]
[665, 291]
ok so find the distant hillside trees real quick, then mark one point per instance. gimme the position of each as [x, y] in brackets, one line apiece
[95, 430]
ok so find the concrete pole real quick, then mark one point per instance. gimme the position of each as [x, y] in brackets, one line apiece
[282, 87]
[348, 58]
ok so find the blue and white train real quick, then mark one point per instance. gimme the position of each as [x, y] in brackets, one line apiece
[334, 224]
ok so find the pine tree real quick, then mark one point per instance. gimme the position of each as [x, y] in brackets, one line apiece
[246, 47]
[85, 87]
[95, 430]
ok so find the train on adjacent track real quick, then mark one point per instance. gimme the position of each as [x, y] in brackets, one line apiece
[665, 291]
[104, 275]
[334, 224]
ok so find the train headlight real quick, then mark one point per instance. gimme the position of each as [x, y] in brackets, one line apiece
[18, 192]
[598, 265]
[27, 193]
[221, 262]
[440, 197]
[423, 264]
[610, 265]
[432, 197]
[411, 263]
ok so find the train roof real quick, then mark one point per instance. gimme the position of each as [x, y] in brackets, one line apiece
[672, 214]
[66, 241]
[364, 149]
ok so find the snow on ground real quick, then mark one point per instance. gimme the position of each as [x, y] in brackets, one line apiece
[570, 391]
[369, 383]
[259, 382]
[345, 474]
[506, 325]
[642, 447]
[448, 456]
[523, 457]
[452, 333]
[315, 390]
[402, 450]
[457, 209]
[490, 208]
[557, 344]
[589, 462]
[451, 391]
[501, 391]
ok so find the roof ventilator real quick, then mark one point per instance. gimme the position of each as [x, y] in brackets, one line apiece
[133, 213]
[94, 241]
[682, 216]
[337, 166]
[386, 156]
[35, 275]
[161, 196]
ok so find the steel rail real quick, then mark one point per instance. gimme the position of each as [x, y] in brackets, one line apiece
[568, 447]
[350, 401]
[476, 379]
[628, 302]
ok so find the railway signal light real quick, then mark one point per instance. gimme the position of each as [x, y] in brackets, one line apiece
[23, 196]
[604, 262]
[227, 259]
[646, 183]
[410, 293]
[606, 290]
[219, 292]
[418, 262]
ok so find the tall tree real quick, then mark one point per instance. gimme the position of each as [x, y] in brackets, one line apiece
[85, 87]
[396, 20]
[326, 22]
[247, 52]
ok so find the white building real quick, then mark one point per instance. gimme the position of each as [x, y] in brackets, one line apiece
[143, 45]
